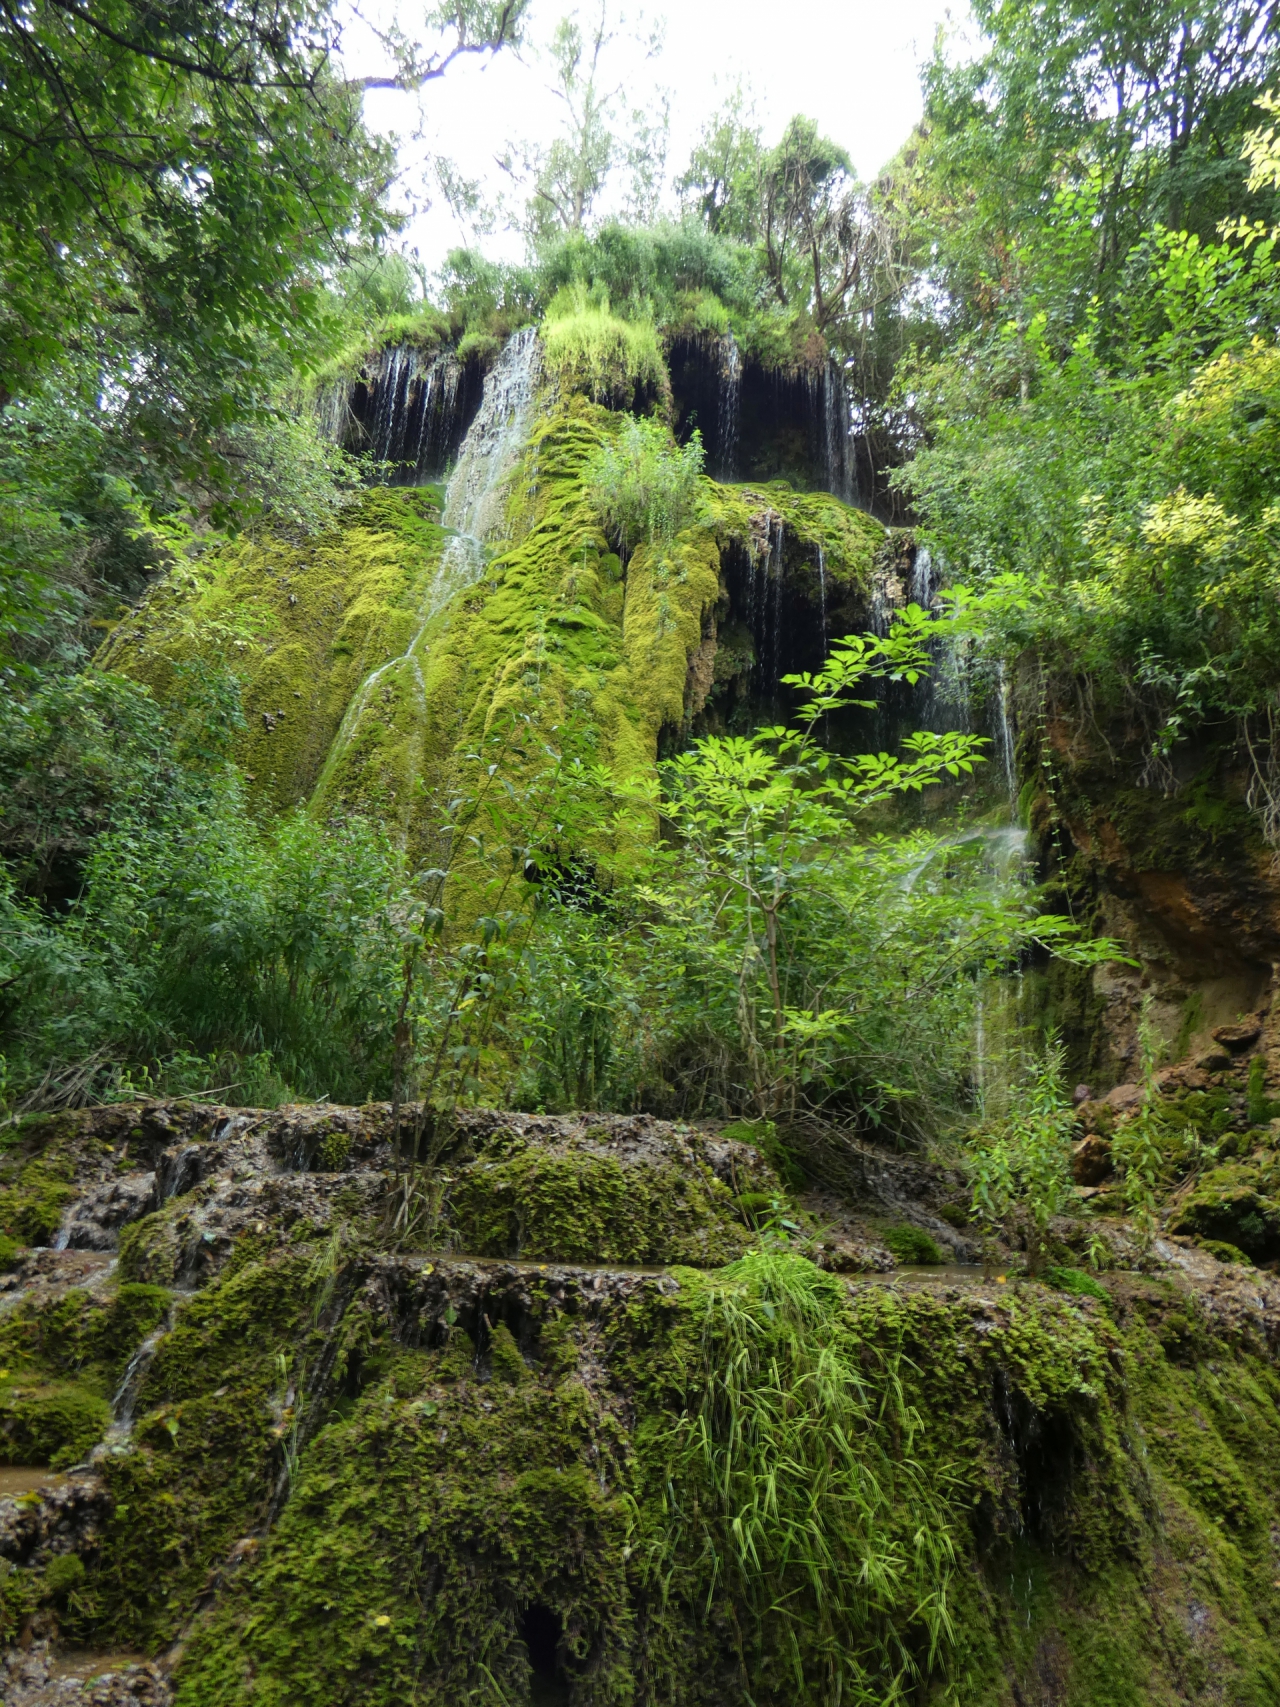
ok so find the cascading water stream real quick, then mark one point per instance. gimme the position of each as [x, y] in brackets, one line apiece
[125, 1400]
[473, 510]
[727, 407]
[835, 433]
[1004, 736]
[409, 418]
[775, 660]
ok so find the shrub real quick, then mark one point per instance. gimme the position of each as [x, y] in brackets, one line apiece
[644, 486]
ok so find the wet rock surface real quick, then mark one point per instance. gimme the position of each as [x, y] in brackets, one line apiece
[323, 1331]
[62, 1518]
[40, 1677]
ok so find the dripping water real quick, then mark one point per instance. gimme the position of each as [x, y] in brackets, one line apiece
[833, 403]
[62, 1238]
[922, 587]
[125, 1400]
[727, 407]
[775, 659]
[413, 398]
[332, 409]
[1004, 737]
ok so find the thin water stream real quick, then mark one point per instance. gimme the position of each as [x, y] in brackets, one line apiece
[473, 511]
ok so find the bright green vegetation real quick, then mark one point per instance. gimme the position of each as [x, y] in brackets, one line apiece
[911, 1244]
[821, 1490]
[590, 350]
[1099, 454]
[62, 1363]
[302, 796]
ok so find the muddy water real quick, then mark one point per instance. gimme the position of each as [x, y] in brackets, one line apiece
[950, 1272]
[86, 1663]
[22, 1479]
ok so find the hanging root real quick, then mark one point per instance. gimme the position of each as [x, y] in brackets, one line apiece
[1263, 793]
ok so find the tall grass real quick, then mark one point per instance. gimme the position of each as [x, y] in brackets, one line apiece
[793, 1492]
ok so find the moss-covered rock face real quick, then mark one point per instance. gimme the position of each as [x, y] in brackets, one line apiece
[369, 683]
[629, 1191]
[411, 1433]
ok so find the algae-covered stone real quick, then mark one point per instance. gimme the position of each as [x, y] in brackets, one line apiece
[1238, 1204]
[609, 1190]
[54, 1425]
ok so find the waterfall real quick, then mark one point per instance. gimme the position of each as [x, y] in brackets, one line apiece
[474, 502]
[922, 587]
[125, 1400]
[474, 495]
[126, 1394]
[727, 408]
[775, 636]
[882, 605]
[387, 429]
[436, 413]
[331, 407]
[1004, 736]
[835, 431]
[62, 1238]
[406, 411]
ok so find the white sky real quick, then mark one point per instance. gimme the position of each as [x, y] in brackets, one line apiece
[853, 65]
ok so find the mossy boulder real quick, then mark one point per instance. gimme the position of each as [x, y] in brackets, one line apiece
[1238, 1204]
[55, 1425]
[617, 1191]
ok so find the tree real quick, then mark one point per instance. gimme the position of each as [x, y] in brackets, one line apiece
[172, 175]
[567, 178]
[721, 183]
[1039, 165]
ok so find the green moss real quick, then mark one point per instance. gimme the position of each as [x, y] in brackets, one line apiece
[63, 1575]
[76, 1334]
[1224, 1252]
[62, 1360]
[1081, 1469]
[426, 329]
[504, 1356]
[34, 1197]
[361, 697]
[428, 1592]
[10, 1252]
[591, 351]
[481, 347]
[50, 1424]
[1259, 1107]
[212, 1410]
[149, 1251]
[911, 1245]
[580, 1205]
[1076, 1280]
[1238, 1204]
[301, 626]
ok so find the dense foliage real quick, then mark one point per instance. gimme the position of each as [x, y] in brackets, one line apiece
[1091, 205]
